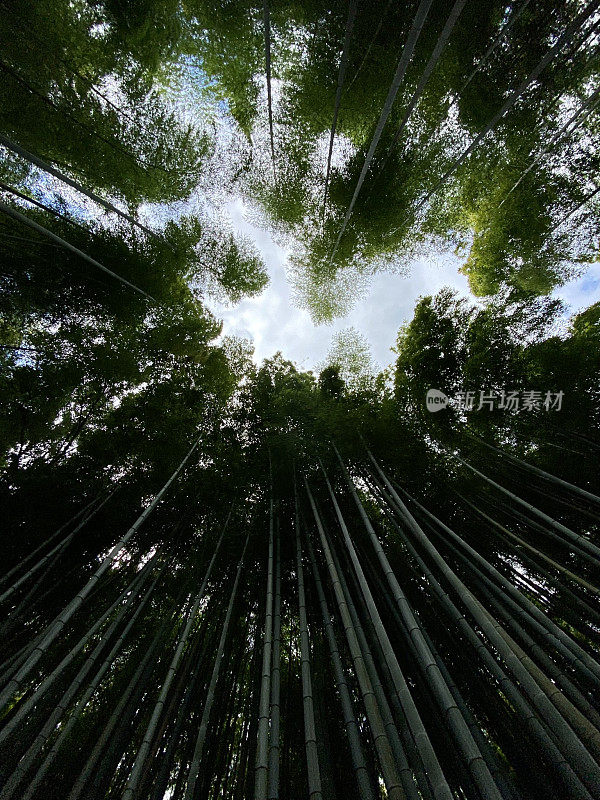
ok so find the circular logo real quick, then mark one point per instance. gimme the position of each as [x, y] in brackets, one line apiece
[435, 400]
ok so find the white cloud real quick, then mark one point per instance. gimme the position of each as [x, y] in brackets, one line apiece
[274, 323]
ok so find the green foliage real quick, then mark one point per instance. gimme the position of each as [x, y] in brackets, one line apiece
[503, 346]
[88, 106]
[103, 391]
[98, 108]
[351, 356]
[520, 237]
[330, 382]
[81, 354]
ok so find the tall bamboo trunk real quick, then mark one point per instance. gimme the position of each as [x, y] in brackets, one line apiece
[310, 736]
[136, 772]
[55, 628]
[439, 785]
[23, 563]
[52, 170]
[262, 750]
[577, 755]
[505, 532]
[9, 211]
[46, 731]
[429, 68]
[567, 533]
[196, 763]
[118, 714]
[411, 774]
[274, 744]
[593, 498]
[359, 764]
[267, 37]
[87, 695]
[552, 632]
[55, 550]
[50, 561]
[162, 779]
[389, 772]
[526, 713]
[29, 705]
[427, 663]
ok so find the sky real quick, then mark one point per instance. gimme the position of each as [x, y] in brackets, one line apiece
[274, 324]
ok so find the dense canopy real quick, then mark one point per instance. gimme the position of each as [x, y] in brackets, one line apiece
[225, 579]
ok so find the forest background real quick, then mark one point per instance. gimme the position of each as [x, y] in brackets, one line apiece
[363, 139]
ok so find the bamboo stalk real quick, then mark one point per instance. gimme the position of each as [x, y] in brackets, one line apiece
[553, 633]
[310, 736]
[434, 772]
[38, 549]
[411, 774]
[27, 707]
[526, 714]
[578, 579]
[567, 533]
[275, 706]
[530, 467]
[116, 718]
[576, 754]
[61, 620]
[50, 725]
[427, 663]
[81, 704]
[210, 695]
[55, 550]
[386, 760]
[136, 771]
[363, 781]
[262, 751]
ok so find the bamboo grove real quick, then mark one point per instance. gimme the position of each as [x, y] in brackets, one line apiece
[222, 579]
[325, 633]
